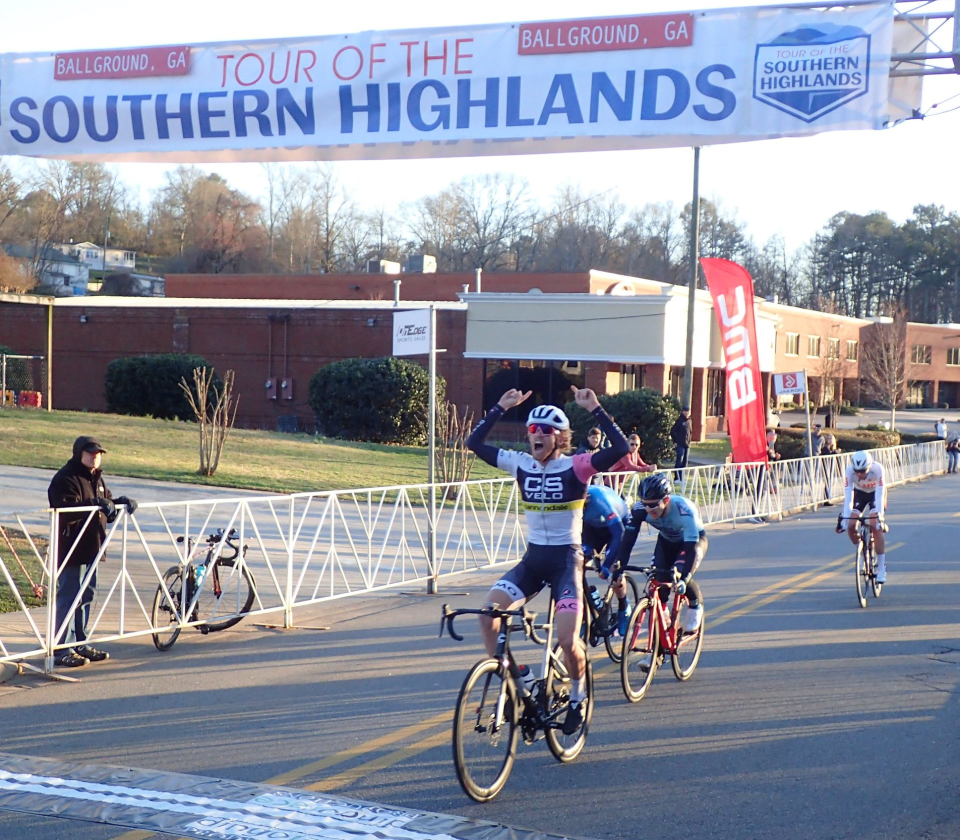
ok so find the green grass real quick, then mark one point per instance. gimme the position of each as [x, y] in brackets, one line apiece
[23, 550]
[712, 449]
[141, 447]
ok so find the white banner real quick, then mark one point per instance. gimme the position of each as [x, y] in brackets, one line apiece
[411, 332]
[790, 383]
[631, 82]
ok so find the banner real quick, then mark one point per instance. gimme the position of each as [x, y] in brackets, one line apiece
[732, 290]
[629, 82]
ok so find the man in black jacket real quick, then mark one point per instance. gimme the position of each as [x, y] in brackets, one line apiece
[79, 483]
[682, 434]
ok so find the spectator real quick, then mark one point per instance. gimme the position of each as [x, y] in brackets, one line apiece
[940, 427]
[829, 447]
[828, 412]
[593, 442]
[631, 462]
[953, 451]
[79, 483]
[772, 454]
[682, 434]
[816, 441]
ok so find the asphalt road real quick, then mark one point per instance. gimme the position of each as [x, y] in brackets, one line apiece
[807, 717]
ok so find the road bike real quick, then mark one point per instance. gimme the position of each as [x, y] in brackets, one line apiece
[213, 593]
[656, 631]
[865, 567]
[494, 709]
[600, 622]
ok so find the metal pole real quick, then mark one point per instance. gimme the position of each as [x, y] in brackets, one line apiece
[49, 384]
[431, 448]
[692, 288]
[806, 402]
[3, 379]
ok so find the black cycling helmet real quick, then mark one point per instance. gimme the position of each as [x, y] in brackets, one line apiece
[655, 487]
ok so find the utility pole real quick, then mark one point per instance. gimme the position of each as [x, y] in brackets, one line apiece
[692, 287]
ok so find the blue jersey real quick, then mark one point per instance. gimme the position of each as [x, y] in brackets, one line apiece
[604, 505]
[680, 522]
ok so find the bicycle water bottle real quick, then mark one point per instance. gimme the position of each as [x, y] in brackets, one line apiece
[527, 680]
[597, 598]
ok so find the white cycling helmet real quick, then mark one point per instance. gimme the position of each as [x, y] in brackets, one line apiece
[549, 415]
[861, 460]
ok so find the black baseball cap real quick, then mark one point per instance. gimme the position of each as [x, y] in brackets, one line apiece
[84, 443]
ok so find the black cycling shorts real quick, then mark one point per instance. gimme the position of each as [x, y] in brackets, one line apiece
[558, 566]
[862, 498]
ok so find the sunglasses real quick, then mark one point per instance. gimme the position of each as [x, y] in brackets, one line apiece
[860, 472]
[542, 428]
[634, 444]
[652, 505]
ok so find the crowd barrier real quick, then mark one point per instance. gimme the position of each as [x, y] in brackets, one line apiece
[308, 548]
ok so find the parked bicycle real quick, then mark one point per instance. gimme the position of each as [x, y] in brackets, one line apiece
[494, 708]
[212, 594]
[865, 567]
[600, 610]
[656, 631]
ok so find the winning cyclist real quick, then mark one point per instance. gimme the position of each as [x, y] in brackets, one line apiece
[605, 518]
[864, 488]
[553, 487]
[682, 542]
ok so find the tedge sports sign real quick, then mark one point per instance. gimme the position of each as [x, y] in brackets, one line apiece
[411, 332]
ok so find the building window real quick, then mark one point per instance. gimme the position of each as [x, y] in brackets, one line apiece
[550, 382]
[676, 383]
[851, 351]
[921, 354]
[792, 347]
[716, 392]
[833, 351]
[813, 346]
[953, 355]
[632, 377]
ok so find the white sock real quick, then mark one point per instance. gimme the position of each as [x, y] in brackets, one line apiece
[578, 690]
[882, 560]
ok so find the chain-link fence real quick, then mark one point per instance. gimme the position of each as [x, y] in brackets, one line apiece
[23, 381]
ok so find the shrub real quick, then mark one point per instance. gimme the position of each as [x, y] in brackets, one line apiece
[791, 440]
[149, 386]
[923, 437]
[647, 412]
[379, 400]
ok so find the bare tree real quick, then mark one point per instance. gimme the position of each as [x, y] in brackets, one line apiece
[15, 275]
[883, 361]
[454, 459]
[283, 184]
[215, 411]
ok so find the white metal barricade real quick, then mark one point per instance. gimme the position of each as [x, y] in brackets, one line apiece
[308, 548]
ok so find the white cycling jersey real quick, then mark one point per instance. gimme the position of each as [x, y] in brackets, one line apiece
[870, 482]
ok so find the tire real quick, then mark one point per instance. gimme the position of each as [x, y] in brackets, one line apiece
[874, 583]
[614, 643]
[237, 590]
[861, 570]
[483, 754]
[689, 646]
[566, 748]
[636, 646]
[166, 612]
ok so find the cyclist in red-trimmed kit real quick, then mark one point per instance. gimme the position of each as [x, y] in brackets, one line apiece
[553, 489]
[864, 490]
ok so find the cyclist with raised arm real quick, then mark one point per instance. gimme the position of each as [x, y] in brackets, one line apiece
[553, 488]
[864, 488]
[605, 518]
[681, 543]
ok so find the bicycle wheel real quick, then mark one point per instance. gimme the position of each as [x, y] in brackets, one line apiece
[861, 570]
[485, 731]
[689, 645]
[877, 586]
[166, 609]
[641, 646]
[613, 642]
[566, 748]
[226, 595]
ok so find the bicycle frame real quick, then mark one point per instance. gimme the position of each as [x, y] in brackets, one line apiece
[211, 552]
[668, 632]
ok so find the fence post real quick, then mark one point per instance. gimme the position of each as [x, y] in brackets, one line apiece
[53, 550]
[288, 593]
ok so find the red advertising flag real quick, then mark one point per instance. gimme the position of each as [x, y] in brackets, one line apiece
[732, 290]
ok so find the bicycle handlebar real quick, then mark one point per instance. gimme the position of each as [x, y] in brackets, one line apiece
[650, 571]
[448, 615]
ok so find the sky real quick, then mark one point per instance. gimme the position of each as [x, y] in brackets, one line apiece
[788, 187]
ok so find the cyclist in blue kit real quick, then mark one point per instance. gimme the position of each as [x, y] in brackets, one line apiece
[553, 488]
[682, 542]
[605, 519]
